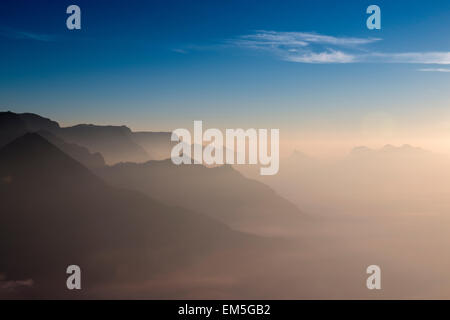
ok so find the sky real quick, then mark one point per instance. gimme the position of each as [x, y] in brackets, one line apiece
[310, 68]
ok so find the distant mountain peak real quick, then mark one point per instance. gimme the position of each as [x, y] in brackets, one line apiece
[31, 121]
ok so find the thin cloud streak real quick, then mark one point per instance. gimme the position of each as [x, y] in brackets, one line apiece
[413, 57]
[298, 39]
[304, 47]
[331, 56]
[434, 70]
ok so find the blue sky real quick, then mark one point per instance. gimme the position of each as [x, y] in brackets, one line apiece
[311, 67]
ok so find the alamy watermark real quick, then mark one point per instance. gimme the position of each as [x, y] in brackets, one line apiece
[374, 20]
[233, 150]
[73, 22]
[74, 280]
[374, 280]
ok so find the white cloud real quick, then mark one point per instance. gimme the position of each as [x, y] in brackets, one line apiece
[306, 47]
[331, 56]
[303, 47]
[414, 57]
[297, 39]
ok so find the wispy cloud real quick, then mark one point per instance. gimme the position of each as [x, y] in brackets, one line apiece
[330, 56]
[26, 35]
[307, 47]
[413, 57]
[304, 47]
[435, 70]
[264, 38]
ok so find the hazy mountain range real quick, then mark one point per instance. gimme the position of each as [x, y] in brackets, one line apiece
[151, 229]
[402, 179]
[128, 223]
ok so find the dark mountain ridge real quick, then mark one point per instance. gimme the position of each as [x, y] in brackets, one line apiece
[115, 143]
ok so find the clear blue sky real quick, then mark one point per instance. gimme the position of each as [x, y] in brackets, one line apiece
[158, 65]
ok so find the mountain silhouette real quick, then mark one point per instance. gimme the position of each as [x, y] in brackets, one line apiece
[219, 192]
[14, 125]
[55, 212]
[114, 143]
